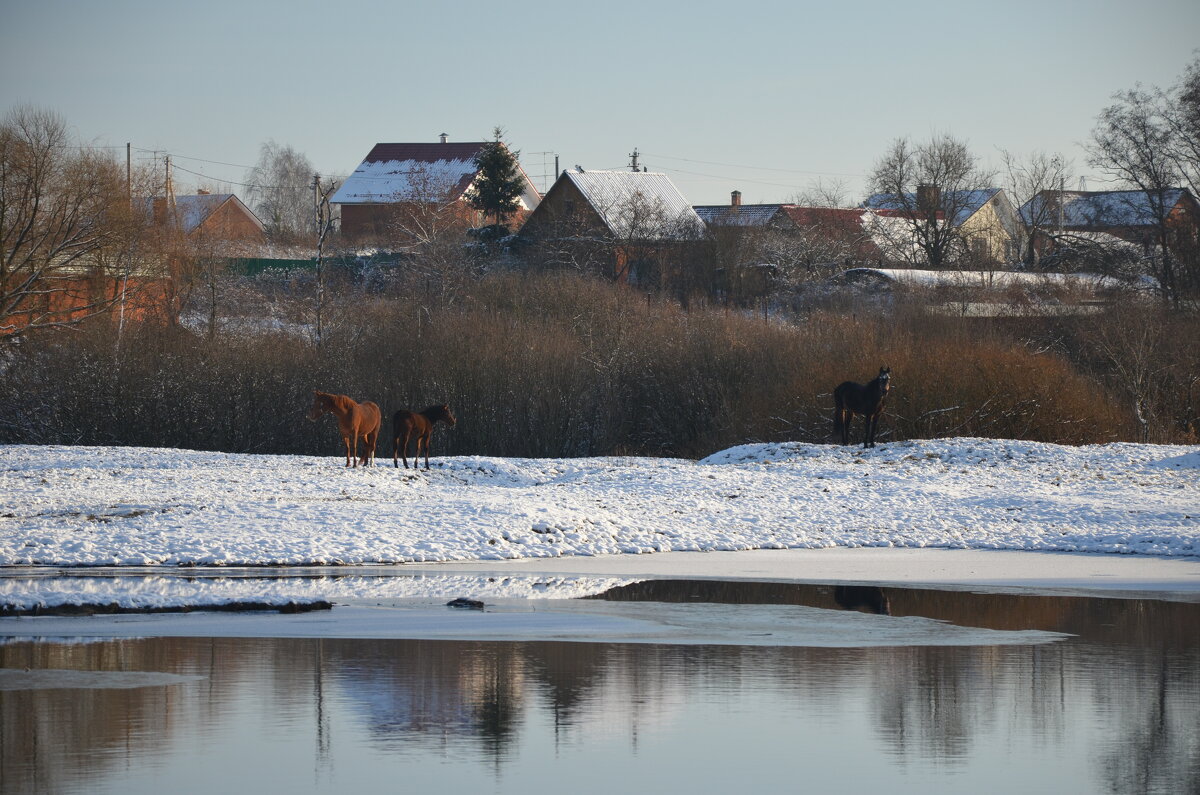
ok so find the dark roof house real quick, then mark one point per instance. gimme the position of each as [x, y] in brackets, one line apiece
[413, 173]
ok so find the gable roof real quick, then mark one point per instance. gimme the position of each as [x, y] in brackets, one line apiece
[192, 210]
[738, 214]
[1083, 209]
[962, 204]
[399, 172]
[418, 172]
[611, 193]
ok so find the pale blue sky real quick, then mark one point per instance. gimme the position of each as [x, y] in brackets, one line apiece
[762, 97]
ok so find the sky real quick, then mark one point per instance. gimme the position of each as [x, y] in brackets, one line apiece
[766, 98]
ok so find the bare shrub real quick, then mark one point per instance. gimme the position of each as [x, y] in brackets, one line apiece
[557, 364]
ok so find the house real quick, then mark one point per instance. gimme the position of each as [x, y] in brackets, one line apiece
[846, 235]
[413, 180]
[984, 220]
[736, 214]
[1097, 219]
[625, 225]
[211, 217]
[144, 282]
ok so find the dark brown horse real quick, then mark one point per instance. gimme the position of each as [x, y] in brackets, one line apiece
[354, 420]
[407, 424]
[851, 398]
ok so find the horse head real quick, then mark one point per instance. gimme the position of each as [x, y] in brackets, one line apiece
[447, 416]
[884, 378]
[319, 407]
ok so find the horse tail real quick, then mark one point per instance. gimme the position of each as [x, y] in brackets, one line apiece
[397, 419]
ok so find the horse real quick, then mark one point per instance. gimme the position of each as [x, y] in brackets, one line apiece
[851, 398]
[406, 424]
[354, 420]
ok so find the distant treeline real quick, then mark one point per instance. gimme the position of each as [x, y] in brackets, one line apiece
[562, 365]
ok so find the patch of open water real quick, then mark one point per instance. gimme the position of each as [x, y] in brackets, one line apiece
[1105, 699]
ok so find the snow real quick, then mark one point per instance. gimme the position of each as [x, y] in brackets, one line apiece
[989, 279]
[161, 528]
[101, 506]
[393, 180]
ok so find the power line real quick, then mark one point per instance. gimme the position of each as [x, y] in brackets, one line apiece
[758, 168]
[178, 167]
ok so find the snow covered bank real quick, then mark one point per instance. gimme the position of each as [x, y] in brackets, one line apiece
[92, 506]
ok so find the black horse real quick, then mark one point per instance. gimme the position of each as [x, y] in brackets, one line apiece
[851, 398]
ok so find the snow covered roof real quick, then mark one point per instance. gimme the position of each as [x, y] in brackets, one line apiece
[418, 172]
[398, 172]
[614, 193]
[738, 215]
[1097, 208]
[960, 204]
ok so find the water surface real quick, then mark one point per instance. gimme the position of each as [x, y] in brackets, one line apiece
[1113, 708]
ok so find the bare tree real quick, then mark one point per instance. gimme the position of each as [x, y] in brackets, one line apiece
[1132, 143]
[1181, 114]
[428, 226]
[1027, 179]
[279, 191]
[70, 236]
[928, 187]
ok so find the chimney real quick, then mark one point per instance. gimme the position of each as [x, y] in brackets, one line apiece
[735, 199]
[444, 137]
[201, 191]
[929, 198]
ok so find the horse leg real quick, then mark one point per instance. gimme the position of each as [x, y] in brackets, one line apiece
[427, 438]
[869, 439]
[346, 440]
[404, 448]
[367, 445]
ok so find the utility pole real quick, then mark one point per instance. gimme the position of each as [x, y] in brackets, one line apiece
[170, 186]
[129, 174]
[633, 164]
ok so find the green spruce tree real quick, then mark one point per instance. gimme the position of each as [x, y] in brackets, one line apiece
[498, 188]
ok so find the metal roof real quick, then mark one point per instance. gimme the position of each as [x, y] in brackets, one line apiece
[615, 195]
[1097, 208]
[738, 214]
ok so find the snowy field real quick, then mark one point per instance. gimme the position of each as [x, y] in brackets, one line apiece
[93, 506]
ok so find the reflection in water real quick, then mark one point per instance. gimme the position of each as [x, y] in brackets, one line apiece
[868, 597]
[1115, 709]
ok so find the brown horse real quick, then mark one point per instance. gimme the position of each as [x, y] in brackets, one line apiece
[406, 424]
[354, 420]
[851, 398]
